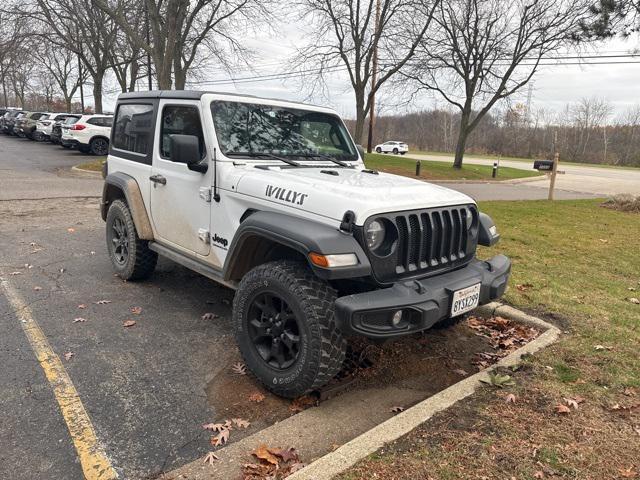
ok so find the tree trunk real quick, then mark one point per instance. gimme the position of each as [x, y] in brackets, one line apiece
[163, 73]
[97, 91]
[135, 68]
[463, 135]
[67, 101]
[360, 118]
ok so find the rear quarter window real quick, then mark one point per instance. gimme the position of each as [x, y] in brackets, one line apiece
[133, 128]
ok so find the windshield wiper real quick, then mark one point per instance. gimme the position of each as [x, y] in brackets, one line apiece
[263, 154]
[325, 157]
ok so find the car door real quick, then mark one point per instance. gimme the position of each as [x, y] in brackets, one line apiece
[180, 202]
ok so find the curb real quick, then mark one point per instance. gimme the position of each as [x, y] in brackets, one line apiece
[86, 172]
[511, 181]
[360, 447]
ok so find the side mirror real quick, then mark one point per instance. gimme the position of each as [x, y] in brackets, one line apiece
[186, 149]
[360, 151]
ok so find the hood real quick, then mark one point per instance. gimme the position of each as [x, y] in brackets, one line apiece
[332, 194]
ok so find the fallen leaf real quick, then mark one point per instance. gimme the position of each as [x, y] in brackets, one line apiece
[37, 289]
[562, 409]
[128, 323]
[634, 300]
[15, 273]
[287, 454]
[571, 403]
[396, 409]
[136, 310]
[511, 398]
[71, 230]
[239, 368]
[68, 355]
[82, 306]
[524, 287]
[215, 427]
[538, 474]
[296, 466]
[210, 458]
[102, 302]
[79, 320]
[263, 453]
[62, 270]
[210, 316]
[628, 472]
[302, 403]
[604, 240]
[460, 372]
[256, 397]
[601, 347]
[241, 422]
[629, 392]
[220, 439]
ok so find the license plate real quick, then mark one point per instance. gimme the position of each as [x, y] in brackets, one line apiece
[465, 300]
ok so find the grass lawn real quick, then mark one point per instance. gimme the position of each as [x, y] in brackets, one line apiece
[439, 170]
[518, 159]
[577, 264]
[93, 165]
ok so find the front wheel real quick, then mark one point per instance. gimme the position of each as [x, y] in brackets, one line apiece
[131, 257]
[395, 151]
[283, 319]
[378, 150]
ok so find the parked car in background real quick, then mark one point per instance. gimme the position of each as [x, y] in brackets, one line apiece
[90, 134]
[14, 123]
[44, 126]
[28, 124]
[6, 119]
[392, 147]
[56, 130]
[64, 128]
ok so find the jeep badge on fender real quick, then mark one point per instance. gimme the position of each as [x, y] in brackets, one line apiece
[306, 279]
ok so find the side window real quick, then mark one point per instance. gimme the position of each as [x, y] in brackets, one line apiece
[95, 121]
[182, 120]
[133, 128]
[107, 122]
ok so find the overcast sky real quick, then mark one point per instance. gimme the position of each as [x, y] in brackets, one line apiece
[553, 87]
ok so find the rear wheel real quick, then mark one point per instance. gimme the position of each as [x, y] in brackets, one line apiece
[283, 318]
[99, 146]
[130, 256]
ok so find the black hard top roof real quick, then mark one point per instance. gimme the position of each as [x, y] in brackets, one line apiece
[191, 95]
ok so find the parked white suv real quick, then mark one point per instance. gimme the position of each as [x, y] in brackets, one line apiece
[44, 125]
[392, 147]
[271, 198]
[90, 134]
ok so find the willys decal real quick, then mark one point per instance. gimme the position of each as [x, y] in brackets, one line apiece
[286, 195]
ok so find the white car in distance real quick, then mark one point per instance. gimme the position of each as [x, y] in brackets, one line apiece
[392, 147]
[90, 134]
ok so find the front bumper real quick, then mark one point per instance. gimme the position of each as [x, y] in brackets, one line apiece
[423, 302]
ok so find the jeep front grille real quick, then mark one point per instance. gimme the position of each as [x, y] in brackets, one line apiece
[428, 241]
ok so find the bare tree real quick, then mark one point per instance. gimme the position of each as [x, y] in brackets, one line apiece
[61, 67]
[10, 37]
[179, 29]
[483, 51]
[348, 34]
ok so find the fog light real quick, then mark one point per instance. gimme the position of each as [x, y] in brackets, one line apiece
[397, 318]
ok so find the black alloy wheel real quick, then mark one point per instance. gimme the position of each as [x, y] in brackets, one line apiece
[99, 146]
[120, 240]
[274, 330]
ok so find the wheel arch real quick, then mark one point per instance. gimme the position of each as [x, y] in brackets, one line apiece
[120, 186]
[267, 236]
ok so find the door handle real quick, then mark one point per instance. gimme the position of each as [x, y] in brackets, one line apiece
[158, 179]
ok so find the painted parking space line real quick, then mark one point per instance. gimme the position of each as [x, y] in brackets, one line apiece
[93, 460]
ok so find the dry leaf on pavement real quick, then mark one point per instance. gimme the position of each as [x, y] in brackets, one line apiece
[69, 355]
[71, 229]
[136, 310]
[79, 320]
[263, 453]
[241, 422]
[239, 368]
[220, 439]
[562, 409]
[102, 302]
[210, 458]
[82, 306]
[286, 454]
[37, 289]
[128, 323]
[15, 273]
[210, 316]
[214, 427]
[397, 409]
[256, 397]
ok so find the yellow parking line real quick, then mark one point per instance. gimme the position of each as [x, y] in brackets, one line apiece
[94, 461]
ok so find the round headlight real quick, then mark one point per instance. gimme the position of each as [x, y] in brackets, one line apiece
[374, 234]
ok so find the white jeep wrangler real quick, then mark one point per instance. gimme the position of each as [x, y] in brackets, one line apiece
[272, 199]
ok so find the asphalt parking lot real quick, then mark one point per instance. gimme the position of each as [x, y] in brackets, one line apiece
[143, 391]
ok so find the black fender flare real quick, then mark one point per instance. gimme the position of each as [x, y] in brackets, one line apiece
[300, 234]
[121, 182]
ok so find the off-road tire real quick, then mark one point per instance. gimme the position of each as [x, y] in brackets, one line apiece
[322, 346]
[141, 261]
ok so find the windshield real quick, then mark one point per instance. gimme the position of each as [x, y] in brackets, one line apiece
[245, 129]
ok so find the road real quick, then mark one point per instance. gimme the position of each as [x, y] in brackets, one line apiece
[145, 390]
[577, 178]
